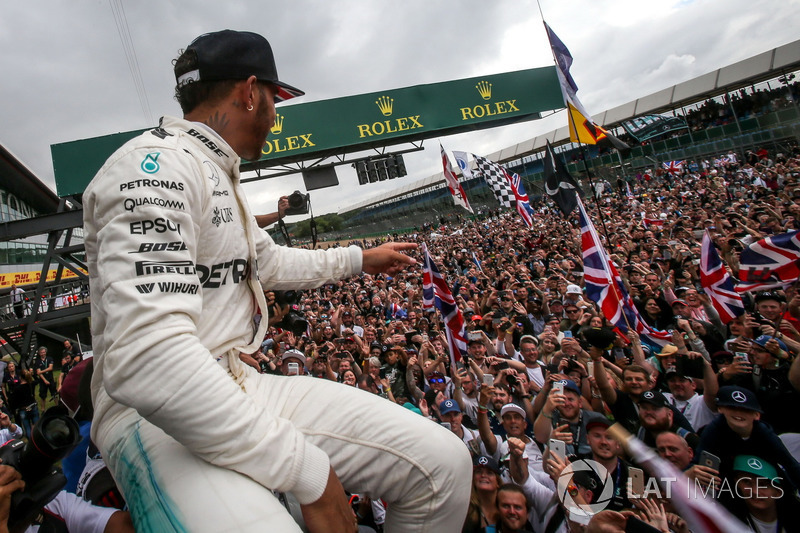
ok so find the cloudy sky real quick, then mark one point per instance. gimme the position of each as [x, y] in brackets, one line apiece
[66, 75]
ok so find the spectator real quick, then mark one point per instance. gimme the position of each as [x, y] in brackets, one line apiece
[513, 510]
[8, 429]
[43, 367]
[483, 513]
[739, 431]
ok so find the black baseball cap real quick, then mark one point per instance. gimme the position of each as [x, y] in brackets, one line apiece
[484, 461]
[732, 396]
[769, 295]
[654, 398]
[234, 55]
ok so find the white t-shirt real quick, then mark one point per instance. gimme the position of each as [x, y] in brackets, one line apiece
[535, 374]
[358, 330]
[694, 409]
[79, 515]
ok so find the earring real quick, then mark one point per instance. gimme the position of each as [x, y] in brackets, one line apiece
[250, 107]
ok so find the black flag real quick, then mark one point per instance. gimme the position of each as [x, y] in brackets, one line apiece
[558, 184]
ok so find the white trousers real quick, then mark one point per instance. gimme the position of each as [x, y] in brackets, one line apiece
[376, 447]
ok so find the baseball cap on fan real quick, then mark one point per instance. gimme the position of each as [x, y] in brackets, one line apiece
[233, 55]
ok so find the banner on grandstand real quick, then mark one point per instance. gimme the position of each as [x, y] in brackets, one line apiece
[645, 127]
[32, 278]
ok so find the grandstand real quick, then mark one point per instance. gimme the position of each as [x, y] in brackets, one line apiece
[744, 105]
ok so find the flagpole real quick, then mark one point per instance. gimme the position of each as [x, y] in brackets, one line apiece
[578, 137]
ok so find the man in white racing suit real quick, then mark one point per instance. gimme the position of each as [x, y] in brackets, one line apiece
[196, 439]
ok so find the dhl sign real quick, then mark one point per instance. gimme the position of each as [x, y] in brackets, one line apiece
[20, 279]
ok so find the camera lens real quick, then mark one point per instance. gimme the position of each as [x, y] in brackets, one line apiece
[57, 433]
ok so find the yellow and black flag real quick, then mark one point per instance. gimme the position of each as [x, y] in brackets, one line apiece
[581, 126]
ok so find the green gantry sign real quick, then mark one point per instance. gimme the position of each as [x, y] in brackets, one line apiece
[311, 130]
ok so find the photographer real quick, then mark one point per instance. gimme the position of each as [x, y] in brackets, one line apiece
[270, 218]
[8, 429]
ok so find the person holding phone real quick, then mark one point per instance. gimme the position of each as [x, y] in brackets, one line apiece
[739, 431]
[766, 373]
[293, 363]
[562, 417]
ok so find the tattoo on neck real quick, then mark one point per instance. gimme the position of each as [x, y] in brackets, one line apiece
[218, 121]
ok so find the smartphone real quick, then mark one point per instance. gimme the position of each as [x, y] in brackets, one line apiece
[568, 334]
[559, 447]
[590, 367]
[635, 525]
[447, 426]
[382, 372]
[558, 387]
[635, 483]
[474, 335]
[740, 356]
[710, 460]
[488, 380]
[293, 369]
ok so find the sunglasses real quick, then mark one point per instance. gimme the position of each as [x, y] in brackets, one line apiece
[437, 380]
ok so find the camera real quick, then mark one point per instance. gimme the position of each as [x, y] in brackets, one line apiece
[294, 320]
[298, 203]
[52, 439]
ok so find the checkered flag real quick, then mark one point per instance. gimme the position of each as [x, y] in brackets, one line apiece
[498, 180]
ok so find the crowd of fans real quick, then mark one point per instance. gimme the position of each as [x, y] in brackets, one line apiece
[545, 376]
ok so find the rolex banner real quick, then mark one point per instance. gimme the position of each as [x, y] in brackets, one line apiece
[308, 130]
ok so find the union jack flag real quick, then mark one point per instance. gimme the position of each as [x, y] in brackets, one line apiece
[523, 203]
[673, 167]
[770, 263]
[605, 287]
[647, 221]
[436, 294]
[717, 283]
